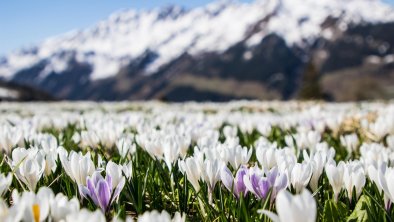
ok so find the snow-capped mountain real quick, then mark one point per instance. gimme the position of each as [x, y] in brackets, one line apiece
[148, 42]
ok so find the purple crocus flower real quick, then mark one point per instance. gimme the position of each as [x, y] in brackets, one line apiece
[256, 183]
[235, 185]
[254, 180]
[101, 191]
[260, 185]
[278, 181]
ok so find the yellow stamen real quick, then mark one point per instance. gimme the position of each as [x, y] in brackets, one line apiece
[36, 212]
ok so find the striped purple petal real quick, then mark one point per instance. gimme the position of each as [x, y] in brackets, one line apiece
[108, 178]
[263, 188]
[103, 194]
[239, 182]
[96, 177]
[92, 191]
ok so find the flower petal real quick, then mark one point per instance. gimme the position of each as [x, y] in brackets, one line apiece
[103, 194]
[118, 189]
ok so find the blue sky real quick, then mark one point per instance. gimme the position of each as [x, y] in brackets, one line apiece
[24, 22]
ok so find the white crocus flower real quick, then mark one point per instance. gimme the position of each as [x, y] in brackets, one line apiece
[307, 140]
[264, 129]
[193, 171]
[327, 152]
[238, 156]
[183, 142]
[126, 146]
[29, 165]
[289, 139]
[89, 138]
[151, 142]
[317, 161]
[100, 163]
[379, 128]
[374, 154]
[230, 131]
[49, 145]
[335, 177]
[127, 169]
[85, 215]
[116, 172]
[31, 206]
[4, 211]
[297, 208]
[107, 131]
[211, 173]
[266, 156]
[61, 206]
[209, 139]
[350, 141]
[162, 217]
[377, 175]
[354, 178]
[300, 175]
[76, 165]
[373, 173]
[5, 182]
[170, 152]
[286, 159]
[386, 181]
[76, 138]
[9, 138]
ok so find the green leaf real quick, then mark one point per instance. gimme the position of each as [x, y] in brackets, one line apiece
[334, 211]
[361, 212]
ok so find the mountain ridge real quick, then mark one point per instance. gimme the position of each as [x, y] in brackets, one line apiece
[260, 40]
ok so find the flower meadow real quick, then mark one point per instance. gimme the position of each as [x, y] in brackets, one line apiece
[236, 161]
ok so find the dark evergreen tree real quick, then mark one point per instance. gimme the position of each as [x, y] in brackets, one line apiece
[310, 85]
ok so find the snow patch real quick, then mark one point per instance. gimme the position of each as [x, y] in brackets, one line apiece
[171, 32]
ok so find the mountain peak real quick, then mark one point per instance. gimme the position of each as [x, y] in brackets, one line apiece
[172, 31]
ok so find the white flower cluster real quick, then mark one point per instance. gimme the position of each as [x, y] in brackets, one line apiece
[251, 148]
